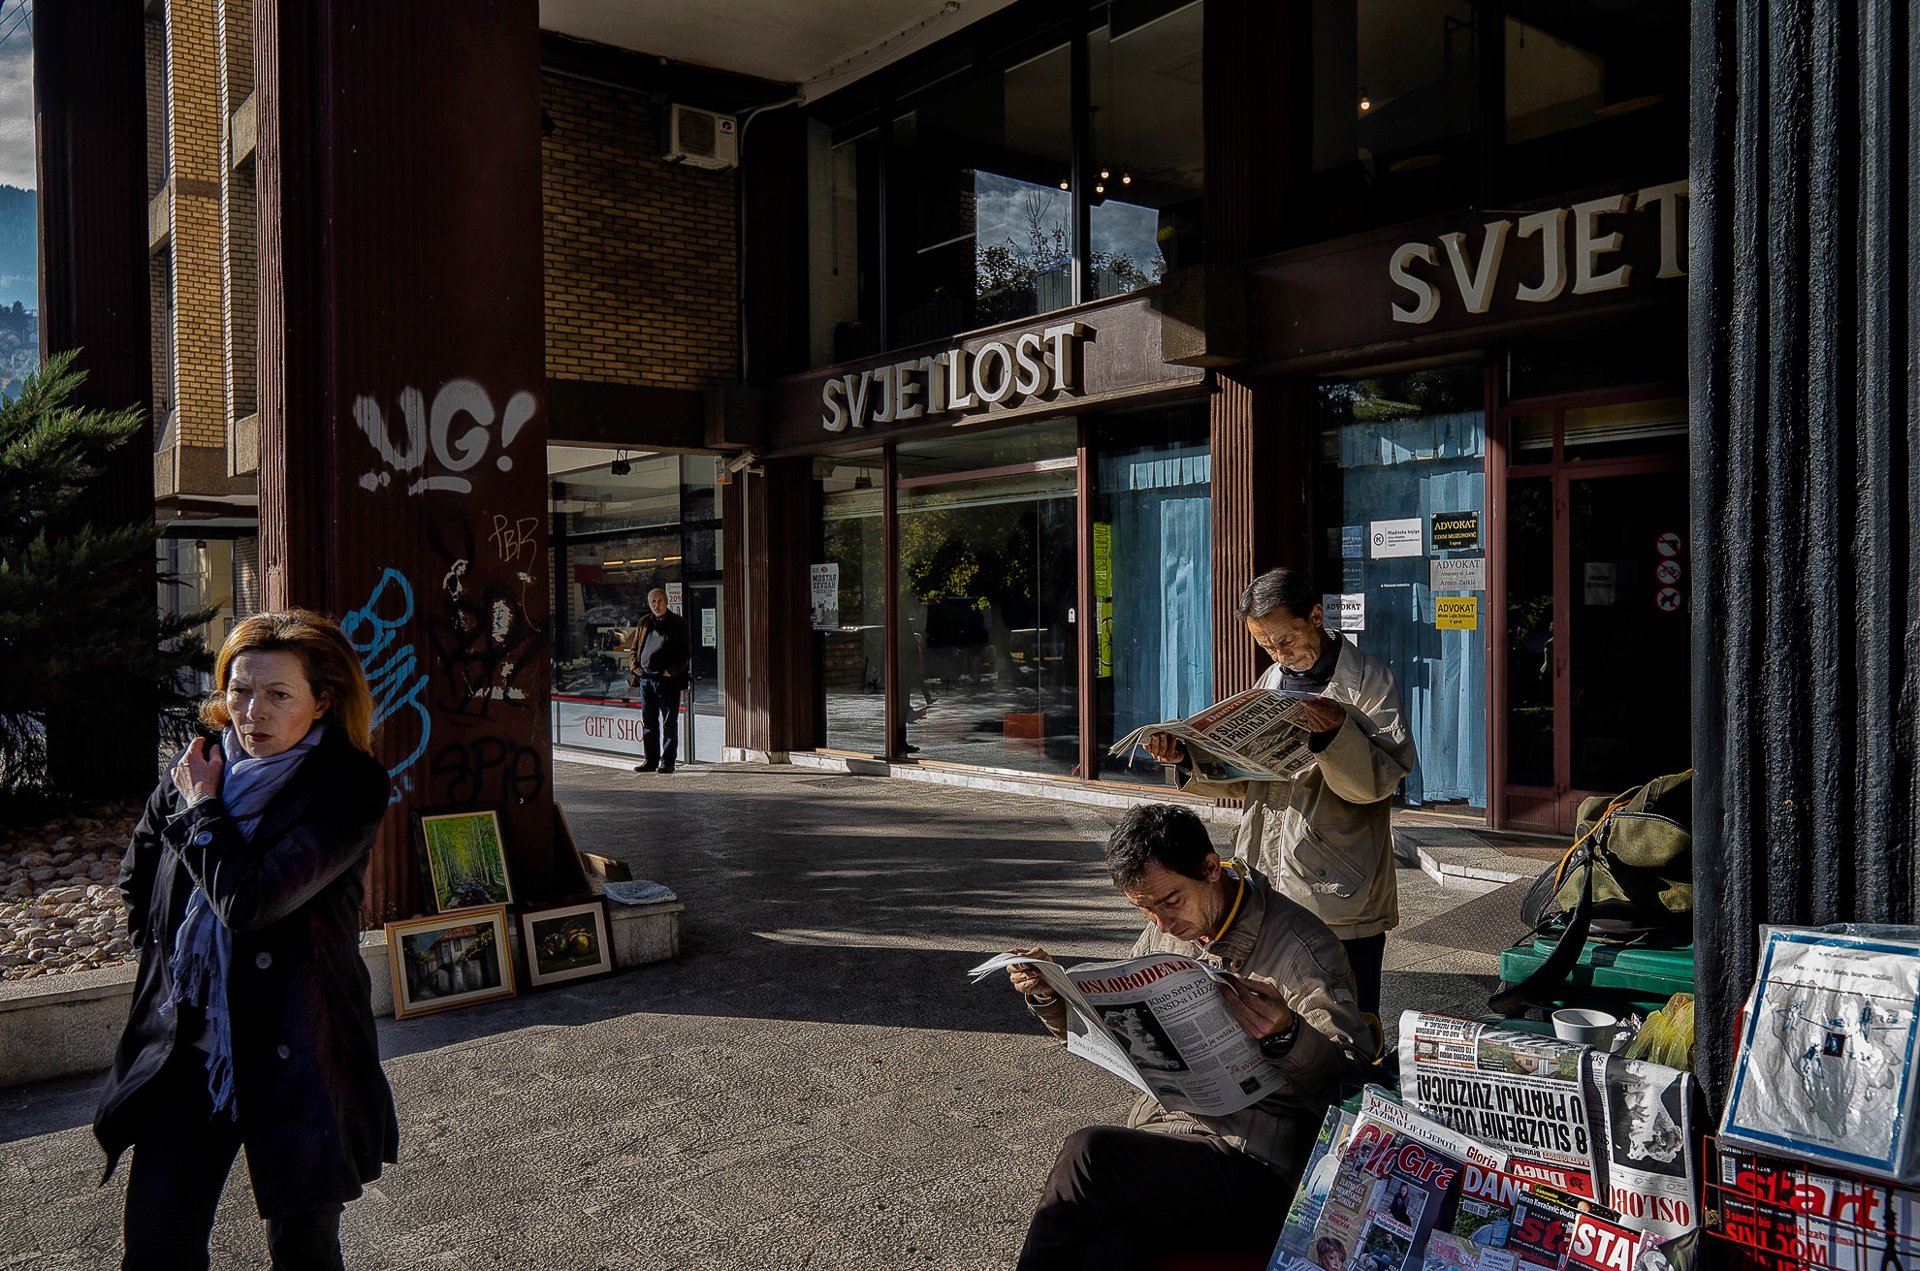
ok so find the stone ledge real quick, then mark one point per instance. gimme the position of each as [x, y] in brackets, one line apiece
[67, 1025]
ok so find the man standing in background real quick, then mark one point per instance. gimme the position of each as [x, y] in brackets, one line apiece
[662, 659]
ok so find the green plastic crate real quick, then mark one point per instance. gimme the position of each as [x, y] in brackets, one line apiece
[1643, 977]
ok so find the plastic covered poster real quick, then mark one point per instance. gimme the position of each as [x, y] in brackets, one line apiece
[1825, 1070]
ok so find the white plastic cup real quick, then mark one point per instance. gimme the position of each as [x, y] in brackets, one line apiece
[1589, 1028]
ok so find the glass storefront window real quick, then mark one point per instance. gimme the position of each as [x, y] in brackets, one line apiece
[1410, 448]
[1144, 71]
[1152, 577]
[1626, 429]
[1594, 91]
[988, 535]
[980, 224]
[849, 613]
[615, 538]
[1395, 91]
[843, 215]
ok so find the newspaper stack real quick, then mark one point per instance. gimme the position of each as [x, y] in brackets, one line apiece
[1158, 1022]
[1259, 735]
[1377, 1190]
[1576, 1121]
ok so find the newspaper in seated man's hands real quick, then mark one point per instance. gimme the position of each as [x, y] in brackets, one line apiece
[1157, 1021]
[1259, 735]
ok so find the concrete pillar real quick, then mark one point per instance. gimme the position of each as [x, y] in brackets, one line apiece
[1803, 313]
[402, 414]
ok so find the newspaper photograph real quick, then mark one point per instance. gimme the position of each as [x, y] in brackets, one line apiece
[1482, 1223]
[1158, 1022]
[1391, 1189]
[1825, 1069]
[1259, 735]
[1648, 1111]
[1523, 1093]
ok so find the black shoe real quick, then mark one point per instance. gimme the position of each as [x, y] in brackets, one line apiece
[666, 770]
[648, 767]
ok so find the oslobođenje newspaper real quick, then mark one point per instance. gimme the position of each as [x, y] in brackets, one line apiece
[1259, 735]
[1517, 1091]
[1394, 1184]
[1576, 1120]
[1159, 1022]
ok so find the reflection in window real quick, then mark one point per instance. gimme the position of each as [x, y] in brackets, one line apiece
[1144, 69]
[981, 229]
[1594, 91]
[1394, 93]
[849, 594]
[989, 663]
[844, 230]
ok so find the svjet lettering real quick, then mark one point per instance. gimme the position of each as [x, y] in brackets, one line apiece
[1476, 279]
[998, 371]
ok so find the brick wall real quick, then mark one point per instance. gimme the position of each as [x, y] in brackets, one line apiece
[239, 217]
[640, 259]
[193, 134]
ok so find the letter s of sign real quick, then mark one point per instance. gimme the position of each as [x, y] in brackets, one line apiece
[836, 417]
[1426, 296]
[1031, 370]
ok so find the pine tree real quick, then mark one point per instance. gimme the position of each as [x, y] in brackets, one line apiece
[81, 633]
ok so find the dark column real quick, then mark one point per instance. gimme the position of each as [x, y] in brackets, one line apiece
[90, 110]
[770, 664]
[402, 472]
[1259, 448]
[1804, 479]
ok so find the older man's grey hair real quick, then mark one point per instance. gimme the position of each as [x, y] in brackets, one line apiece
[1281, 588]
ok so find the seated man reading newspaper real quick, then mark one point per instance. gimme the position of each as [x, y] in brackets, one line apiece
[1114, 1198]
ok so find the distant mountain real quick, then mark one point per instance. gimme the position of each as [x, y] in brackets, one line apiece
[19, 247]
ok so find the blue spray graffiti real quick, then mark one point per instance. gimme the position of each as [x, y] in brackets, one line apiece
[393, 673]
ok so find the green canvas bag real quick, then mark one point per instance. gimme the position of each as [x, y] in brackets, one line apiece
[1627, 878]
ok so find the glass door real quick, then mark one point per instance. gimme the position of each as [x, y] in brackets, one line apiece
[987, 588]
[1596, 683]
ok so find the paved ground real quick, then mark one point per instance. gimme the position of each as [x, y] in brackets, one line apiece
[812, 1084]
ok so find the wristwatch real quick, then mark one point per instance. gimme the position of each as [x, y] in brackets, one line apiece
[1274, 1046]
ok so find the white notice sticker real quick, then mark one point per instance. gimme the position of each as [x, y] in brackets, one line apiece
[1460, 573]
[1346, 612]
[1397, 538]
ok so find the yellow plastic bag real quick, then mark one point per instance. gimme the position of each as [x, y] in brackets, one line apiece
[1667, 1036]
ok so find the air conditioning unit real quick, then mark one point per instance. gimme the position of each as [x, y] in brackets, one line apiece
[702, 139]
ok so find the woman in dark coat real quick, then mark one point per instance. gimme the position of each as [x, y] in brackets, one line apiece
[251, 1025]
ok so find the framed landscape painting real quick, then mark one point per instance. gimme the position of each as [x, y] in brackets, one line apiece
[466, 860]
[448, 960]
[571, 942]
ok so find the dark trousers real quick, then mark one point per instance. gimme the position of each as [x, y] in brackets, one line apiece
[660, 719]
[1364, 956]
[1112, 1201]
[181, 1159]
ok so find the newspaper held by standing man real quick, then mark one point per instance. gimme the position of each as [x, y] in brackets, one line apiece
[1260, 735]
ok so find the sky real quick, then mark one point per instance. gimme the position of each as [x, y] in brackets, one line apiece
[16, 101]
[1000, 205]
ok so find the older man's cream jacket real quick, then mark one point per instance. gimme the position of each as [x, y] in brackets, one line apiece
[1325, 838]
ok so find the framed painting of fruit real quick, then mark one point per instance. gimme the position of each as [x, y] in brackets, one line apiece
[567, 943]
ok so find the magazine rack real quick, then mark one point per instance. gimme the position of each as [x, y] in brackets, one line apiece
[1770, 1213]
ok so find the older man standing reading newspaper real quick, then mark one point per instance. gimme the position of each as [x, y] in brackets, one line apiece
[1110, 1200]
[1325, 837]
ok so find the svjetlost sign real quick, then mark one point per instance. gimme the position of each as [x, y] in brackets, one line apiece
[960, 380]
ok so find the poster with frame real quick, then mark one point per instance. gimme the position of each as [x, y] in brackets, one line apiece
[463, 857]
[448, 960]
[566, 943]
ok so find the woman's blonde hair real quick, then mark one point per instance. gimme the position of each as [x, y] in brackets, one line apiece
[333, 668]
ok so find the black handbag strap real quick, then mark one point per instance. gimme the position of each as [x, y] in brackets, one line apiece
[1552, 973]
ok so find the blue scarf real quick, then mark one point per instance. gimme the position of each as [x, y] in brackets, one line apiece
[203, 947]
